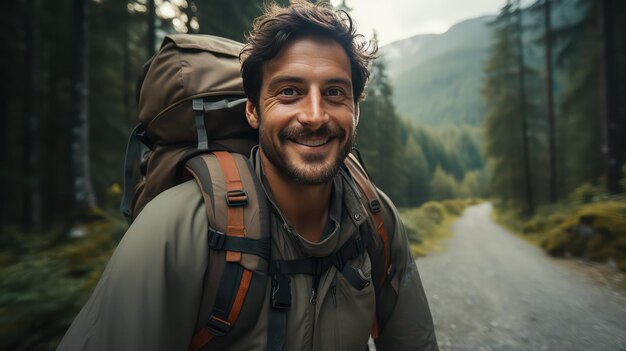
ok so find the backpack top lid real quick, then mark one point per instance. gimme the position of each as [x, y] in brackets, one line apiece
[187, 67]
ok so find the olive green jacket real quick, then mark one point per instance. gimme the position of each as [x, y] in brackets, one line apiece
[151, 294]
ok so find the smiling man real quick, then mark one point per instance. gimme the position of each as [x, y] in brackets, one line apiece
[304, 70]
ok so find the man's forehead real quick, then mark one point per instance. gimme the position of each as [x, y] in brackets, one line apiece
[317, 53]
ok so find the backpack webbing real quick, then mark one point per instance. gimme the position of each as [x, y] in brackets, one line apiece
[236, 280]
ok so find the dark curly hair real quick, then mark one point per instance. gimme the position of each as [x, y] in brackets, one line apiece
[281, 25]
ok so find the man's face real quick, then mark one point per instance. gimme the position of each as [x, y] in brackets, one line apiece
[306, 114]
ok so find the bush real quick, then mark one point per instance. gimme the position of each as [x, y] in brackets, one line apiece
[427, 225]
[594, 231]
[45, 280]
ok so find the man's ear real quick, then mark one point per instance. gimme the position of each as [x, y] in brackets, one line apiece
[251, 115]
[357, 112]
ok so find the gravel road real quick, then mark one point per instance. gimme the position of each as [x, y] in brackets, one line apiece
[493, 291]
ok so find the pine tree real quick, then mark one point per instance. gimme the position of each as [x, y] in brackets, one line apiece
[378, 134]
[442, 185]
[84, 195]
[418, 173]
[503, 122]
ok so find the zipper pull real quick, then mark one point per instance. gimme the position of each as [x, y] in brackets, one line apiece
[313, 299]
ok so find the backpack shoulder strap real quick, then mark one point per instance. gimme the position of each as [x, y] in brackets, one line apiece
[373, 205]
[380, 256]
[238, 236]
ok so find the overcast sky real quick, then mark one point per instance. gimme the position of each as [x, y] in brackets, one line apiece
[399, 19]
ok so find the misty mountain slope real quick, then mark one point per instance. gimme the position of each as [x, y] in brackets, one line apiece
[437, 77]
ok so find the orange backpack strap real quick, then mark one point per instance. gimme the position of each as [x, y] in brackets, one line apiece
[373, 205]
[229, 190]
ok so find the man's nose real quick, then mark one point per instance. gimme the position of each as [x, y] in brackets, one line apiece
[313, 114]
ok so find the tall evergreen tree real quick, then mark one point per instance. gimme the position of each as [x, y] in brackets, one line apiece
[503, 132]
[33, 199]
[552, 178]
[378, 134]
[84, 195]
[578, 55]
[614, 128]
[417, 172]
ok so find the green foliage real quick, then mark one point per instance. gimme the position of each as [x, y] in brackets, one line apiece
[43, 285]
[505, 119]
[594, 231]
[580, 112]
[418, 172]
[378, 134]
[443, 186]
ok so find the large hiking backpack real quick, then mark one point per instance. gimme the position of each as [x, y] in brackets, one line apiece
[193, 126]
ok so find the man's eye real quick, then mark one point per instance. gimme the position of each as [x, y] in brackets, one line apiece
[288, 92]
[334, 92]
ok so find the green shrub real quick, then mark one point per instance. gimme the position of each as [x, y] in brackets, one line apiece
[428, 224]
[595, 231]
[44, 282]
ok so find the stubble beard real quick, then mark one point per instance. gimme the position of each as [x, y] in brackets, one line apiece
[316, 170]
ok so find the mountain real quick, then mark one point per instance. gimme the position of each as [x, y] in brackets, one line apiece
[437, 78]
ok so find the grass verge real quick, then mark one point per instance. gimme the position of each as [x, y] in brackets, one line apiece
[592, 231]
[428, 226]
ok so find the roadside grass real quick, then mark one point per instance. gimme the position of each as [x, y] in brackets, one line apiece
[593, 231]
[428, 226]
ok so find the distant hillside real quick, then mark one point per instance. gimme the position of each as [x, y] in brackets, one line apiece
[437, 77]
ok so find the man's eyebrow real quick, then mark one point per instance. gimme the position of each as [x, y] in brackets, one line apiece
[282, 80]
[276, 81]
[343, 81]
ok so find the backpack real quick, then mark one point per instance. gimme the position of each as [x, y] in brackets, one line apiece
[193, 126]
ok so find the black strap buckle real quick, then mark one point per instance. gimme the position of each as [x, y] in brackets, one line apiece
[281, 292]
[235, 198]
[375, 206]
[216, 239]
[217, 326]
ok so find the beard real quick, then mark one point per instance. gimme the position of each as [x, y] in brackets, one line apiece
[316, 169]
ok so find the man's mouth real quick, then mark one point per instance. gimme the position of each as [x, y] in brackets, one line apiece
[311, 142]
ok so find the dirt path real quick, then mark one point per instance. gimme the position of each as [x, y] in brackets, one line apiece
[493, 291]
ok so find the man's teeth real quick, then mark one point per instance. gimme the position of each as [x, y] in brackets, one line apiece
[312, 142]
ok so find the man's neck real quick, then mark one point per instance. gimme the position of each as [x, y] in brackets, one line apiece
[305, 207]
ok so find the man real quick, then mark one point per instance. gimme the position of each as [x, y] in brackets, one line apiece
[304, 71]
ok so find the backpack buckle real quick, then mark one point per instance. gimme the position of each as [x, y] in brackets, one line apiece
[281, 292]
[236, 198]
[375, 206]
[217, 326]
[216, 239]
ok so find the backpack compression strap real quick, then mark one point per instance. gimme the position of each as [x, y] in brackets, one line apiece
[235, 281]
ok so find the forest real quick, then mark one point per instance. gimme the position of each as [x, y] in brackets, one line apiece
[553, 132]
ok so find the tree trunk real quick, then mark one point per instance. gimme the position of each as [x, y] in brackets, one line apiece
[32, 211]
[84, 196]
[530, 205]
[552, 180]
[151, 28]
[613, 135]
